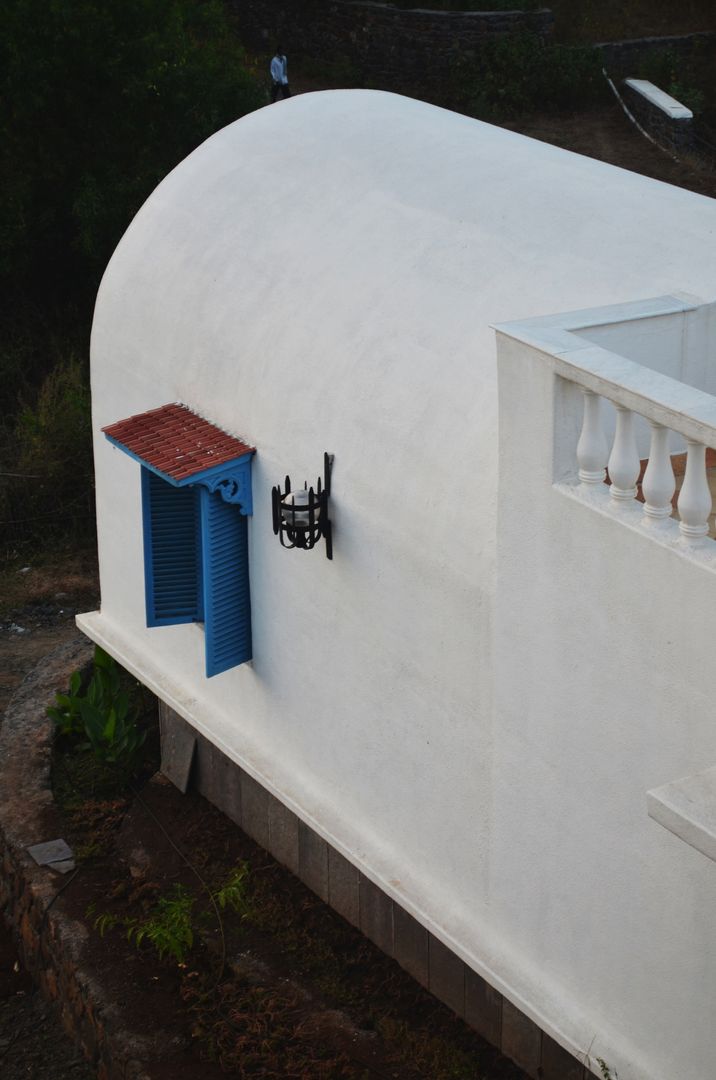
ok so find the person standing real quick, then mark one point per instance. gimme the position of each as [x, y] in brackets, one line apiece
[279, 76]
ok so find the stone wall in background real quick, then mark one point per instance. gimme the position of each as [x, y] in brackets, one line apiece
[623, 58]
[386, 47]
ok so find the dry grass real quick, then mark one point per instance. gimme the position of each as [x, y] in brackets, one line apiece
[28, 582]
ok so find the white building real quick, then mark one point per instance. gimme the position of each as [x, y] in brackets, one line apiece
[459, 718]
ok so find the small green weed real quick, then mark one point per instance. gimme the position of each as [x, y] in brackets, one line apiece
[233, 893]
[170, 925]
[606, 1071]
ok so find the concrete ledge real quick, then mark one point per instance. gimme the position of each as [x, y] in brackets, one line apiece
[666, 120]
[660, 99]
[687, 808]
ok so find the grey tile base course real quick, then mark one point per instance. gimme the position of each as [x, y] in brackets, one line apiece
[411, 946]
[336, 881]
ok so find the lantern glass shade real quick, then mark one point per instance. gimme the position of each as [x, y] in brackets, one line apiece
[293, 512]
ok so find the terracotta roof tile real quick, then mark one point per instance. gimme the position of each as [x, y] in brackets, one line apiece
[176, 441]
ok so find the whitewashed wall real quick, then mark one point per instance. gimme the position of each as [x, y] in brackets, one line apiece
[611, 633]
[322, 275]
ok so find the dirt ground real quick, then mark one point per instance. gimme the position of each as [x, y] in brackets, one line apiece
[607, 135]
[302, 994]
[39, 598]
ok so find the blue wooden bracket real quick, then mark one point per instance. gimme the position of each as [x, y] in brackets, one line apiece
[232, 480]
[234, 485]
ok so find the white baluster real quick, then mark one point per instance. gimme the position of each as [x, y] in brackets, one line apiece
[658, 485]
[592, 445]
[695, 495]
[624, 461]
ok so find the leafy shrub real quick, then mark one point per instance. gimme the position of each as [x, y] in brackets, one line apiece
[66, 713]
[100, 100]
[47, 455]
[520, 73]
[101, 714]
[676, 75]
[335, 70]
[35, 340]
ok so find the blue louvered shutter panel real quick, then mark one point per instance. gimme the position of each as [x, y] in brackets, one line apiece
[172, 551]
[227, 601]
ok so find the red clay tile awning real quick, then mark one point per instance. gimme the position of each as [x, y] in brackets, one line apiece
[176, 442]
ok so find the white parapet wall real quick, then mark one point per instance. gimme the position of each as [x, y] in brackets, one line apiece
[606, 609]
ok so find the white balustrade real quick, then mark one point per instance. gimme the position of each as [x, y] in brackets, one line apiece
[624, 464]
[592, 445]
[695, 496]
[658, 485]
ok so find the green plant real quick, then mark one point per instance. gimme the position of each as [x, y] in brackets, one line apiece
[48, 451]
[76, 160]
[233, 893]
[101, 713]
[520, 73]
[336, 70]
[107, 716]
[606, 1071]
[168, 927]
[66, 713]
[675, 74]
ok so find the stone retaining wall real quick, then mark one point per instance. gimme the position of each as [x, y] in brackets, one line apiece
[623, 58]
[391, 48]
[50, 944]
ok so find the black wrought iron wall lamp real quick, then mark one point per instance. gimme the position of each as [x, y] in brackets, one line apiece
[300, 518]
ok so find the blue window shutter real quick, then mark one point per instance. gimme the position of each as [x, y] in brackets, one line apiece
[227, 601]
[172, 551]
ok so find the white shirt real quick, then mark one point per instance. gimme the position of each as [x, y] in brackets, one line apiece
[279, 70]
